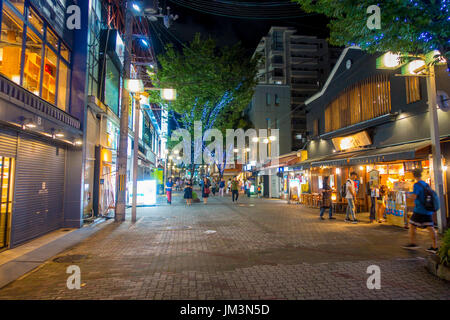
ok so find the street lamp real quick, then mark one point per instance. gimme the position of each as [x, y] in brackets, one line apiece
[424, 66]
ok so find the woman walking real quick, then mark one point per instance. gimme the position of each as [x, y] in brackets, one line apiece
[169, 185]
[205, 190]
[381, 203]
[326, 200]
[188, 192]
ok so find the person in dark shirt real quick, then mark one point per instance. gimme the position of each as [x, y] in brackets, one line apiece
[326, 200]
[421, 218]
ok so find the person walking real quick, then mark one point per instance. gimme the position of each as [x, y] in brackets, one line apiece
[351, 197]
[221, 186]
[229, 186]
[188, 192]
[235, 189]
[326, 200]
[206, 184]
[169, 185]
[424, 208]
[214, 187]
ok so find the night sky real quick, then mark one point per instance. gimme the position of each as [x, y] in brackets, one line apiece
[228, 30]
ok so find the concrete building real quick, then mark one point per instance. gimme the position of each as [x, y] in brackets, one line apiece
[301, 62]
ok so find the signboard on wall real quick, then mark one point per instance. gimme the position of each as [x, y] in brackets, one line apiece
[353, 141]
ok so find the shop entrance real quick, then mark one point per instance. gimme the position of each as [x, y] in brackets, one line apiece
[6, 200]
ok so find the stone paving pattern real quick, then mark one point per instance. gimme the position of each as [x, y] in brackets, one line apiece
[262, 249]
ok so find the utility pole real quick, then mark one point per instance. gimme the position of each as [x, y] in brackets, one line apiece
[137, 117]
[436, 148]
[122, 156]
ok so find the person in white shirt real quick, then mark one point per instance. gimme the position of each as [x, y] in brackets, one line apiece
[351, 196]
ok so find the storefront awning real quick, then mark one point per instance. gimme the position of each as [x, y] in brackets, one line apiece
[282, 162]
[409, 151]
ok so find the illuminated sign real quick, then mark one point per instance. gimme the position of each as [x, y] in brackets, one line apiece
[146, 193]
[354, 141]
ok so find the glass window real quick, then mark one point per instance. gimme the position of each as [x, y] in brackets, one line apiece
[63, 85]
[49, 77]
[35, 21]
[111, 90]
[65, 53]
[52, 39]
[33, 58]
[19, 4]
[268, 99]
[11, 45]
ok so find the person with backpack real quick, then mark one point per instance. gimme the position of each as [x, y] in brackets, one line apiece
[221, 186]
[350, 195]
[425, 204]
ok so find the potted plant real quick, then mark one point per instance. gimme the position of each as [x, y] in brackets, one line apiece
[195, 197]
[443, 268]
[439, 264]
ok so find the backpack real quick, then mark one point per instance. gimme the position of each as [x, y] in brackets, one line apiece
[344, 190]
[430, 199]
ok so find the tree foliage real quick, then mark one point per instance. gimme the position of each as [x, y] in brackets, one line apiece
[214, 85]
[408, 26]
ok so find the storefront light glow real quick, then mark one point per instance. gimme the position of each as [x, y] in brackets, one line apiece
[168, 94]
[146, 192]
[391, 60]
[255, 139]
[272, 138]
[414, 65]
[338, 171]
[346, 143]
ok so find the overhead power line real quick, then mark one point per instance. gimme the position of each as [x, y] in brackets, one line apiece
[260, 12]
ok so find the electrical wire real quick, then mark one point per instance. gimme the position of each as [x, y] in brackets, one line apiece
[210, 8]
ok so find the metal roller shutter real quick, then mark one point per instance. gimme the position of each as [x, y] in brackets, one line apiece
[8, 144]
[39, 195]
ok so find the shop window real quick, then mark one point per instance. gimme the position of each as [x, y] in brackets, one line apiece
[277, 100]
[65, 53]
[19, 4]
[11, 45]
[412, 89]
[63, 85]
[111, 91]
[6, 196]
[49, 77]
[35, 21]
[52, 39]
[33, 59]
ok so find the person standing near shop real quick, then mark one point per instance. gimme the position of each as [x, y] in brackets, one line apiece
[169, 185]
[188, 192]
[326, 200]
[425, 204]
[381, 203]
[371, 193]
[235, 189]
[221, 186]
[206, 189]
[351, 197]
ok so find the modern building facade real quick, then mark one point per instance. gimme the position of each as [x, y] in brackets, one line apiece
[41, 119]
[301, 62]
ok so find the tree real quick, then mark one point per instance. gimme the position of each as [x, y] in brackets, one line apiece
[407, 26]
[214, 85]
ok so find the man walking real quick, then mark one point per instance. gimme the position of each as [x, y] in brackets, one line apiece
[235, 189]
[169, 185]
[221, 187]
[422, 217]
[350, 195]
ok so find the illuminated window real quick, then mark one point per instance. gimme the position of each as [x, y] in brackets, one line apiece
[33, 59]
[412, 89]
[19, 4]
[6, 197]
[52, 39]
[49, 77]
[35, 21]
[11, 45]
[63, 85]
[65, 53]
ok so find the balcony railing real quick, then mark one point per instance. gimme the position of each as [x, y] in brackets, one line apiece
[20, 96]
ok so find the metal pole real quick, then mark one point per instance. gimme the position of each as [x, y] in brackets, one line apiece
[122, 154]
[137, 114]
[436, 149]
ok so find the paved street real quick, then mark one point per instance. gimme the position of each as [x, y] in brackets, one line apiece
[261, 249]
